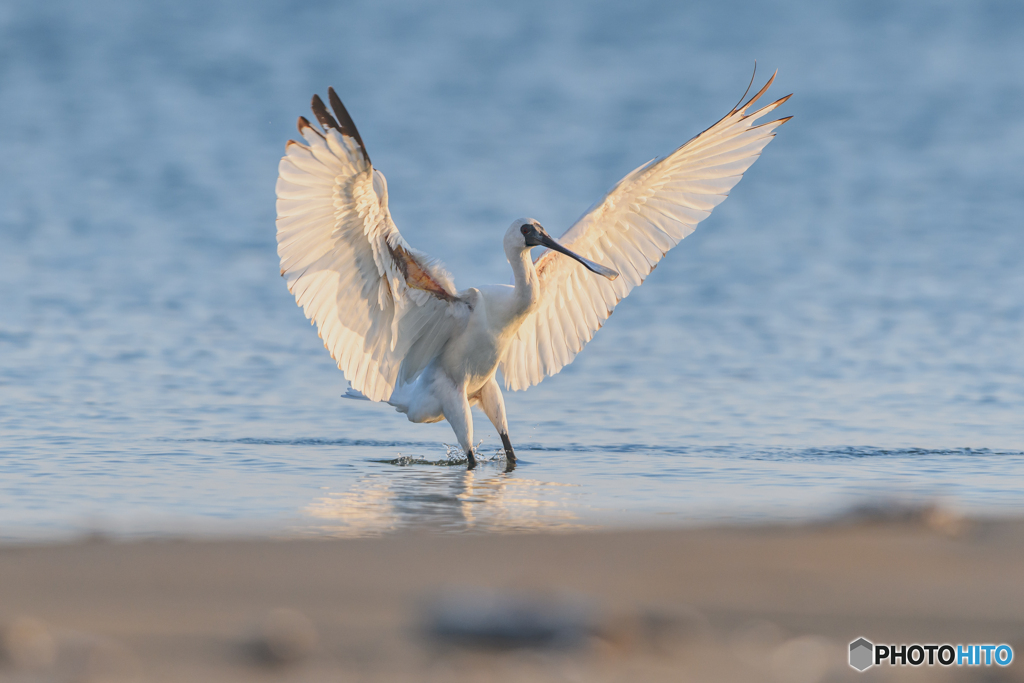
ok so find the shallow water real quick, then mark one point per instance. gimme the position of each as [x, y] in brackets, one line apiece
[848, 324]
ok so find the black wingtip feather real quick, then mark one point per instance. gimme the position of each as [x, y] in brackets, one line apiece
[348, 126]
[749, 85]
[322, 115]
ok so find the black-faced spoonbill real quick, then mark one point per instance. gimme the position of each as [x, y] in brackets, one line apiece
[391, 316]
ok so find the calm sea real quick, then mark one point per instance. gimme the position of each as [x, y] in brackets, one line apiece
[847, 326]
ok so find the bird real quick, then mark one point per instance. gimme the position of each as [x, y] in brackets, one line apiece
[391, 316]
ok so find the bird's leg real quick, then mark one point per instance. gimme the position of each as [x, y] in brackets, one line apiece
[494, 407]
[455, 407]
[510, 455]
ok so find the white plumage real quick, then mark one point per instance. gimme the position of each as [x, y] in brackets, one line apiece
[390, 315]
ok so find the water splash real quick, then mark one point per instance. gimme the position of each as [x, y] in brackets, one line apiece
[453, 457]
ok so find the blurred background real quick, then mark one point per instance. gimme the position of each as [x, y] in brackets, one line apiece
[848, 324]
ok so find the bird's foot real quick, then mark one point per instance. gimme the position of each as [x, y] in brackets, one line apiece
[470, 460]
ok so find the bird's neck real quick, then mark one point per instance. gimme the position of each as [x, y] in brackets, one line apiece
[527, 288]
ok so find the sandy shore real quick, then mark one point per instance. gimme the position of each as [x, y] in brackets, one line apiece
[721, 604]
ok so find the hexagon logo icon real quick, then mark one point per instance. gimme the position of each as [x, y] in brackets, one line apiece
[861, 651]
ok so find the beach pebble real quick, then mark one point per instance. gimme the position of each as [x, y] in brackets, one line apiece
[27, 643]
[510, 620]
[945, 520]
[285, 636]
[930, 514]
[805, 659]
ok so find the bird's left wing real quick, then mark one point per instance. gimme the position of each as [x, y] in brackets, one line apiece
[382, 308]
[630, 230]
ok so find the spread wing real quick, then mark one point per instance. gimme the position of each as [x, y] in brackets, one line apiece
[383, 309]
[647, 213]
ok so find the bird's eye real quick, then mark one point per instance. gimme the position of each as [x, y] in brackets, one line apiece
[525, 229]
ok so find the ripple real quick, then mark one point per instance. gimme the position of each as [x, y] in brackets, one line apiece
[312, 441]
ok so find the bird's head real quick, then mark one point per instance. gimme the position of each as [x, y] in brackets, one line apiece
[526, 233]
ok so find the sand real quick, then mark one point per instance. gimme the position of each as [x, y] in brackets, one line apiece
[773, 603]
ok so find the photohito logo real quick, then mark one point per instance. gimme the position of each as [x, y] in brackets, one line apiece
[864, 654]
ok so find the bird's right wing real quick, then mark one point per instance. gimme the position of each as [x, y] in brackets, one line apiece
[630, 230]
[383, 309]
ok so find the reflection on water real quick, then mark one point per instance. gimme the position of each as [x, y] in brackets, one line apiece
[485, 499]
[636, 484]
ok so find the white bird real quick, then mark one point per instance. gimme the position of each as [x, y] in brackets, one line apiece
[391, 316]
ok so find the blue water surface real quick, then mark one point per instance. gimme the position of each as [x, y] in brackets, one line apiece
[848, 324]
